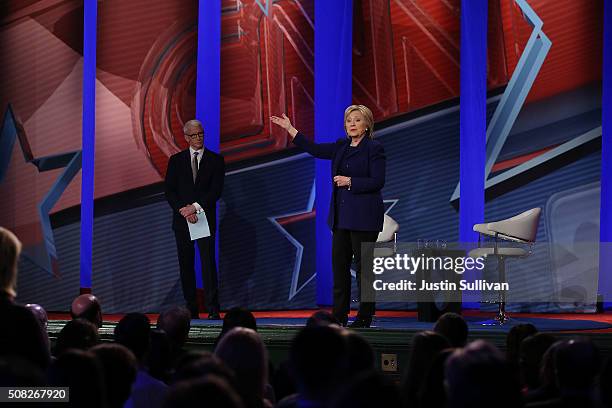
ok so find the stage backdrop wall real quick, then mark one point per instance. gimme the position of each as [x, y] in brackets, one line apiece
[405, 66]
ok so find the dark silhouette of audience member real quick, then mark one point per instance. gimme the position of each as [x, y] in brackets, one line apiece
[322, 318]
[478, 376]
[199, 364]
[425, 347]
[453, 327]
[548, 388]
[190, 356]
[209, 391]
[433, 390]
[367, 389]
[159, 360]
[318, 359]
[605, 381]
[577, 363]
[243, 351]
[282, 380]
[76, 334]
[21, 334]
[134, 332]
[18, 371]
[87, 307]
[82, 373]
[237, 317]
[119, 368]
[359, 353]
[41, 316]
[40, 313]
[176, 322]
[514, 338]
[531, 353]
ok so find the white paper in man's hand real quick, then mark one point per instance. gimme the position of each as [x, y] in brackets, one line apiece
[200, 229]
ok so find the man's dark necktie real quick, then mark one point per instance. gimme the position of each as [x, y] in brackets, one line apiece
[194, 166]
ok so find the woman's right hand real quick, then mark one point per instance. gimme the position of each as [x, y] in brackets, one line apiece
[285, 123]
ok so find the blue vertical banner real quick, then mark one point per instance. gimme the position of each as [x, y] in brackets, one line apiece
[208, 89]
[472, 126]
[90, 24]
[473, 120]
[333, 93]
[208, 80]
[605, 225]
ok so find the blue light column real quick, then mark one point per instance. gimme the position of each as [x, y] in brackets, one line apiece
[605, 225]
[473, 119]
[472, 128]
[333, 93]
[208, 81]
[208, 88]
[90, 20]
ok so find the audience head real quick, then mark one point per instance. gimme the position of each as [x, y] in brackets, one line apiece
[119, 367]
[453, 327]
[159, 360]
[18, 371]
[82, 373]
[605, 391]
[425, 347]
[360, 353]
[318, 359]
[10, 249]
[210, 391]
[243, 351]
[134, 332]
[531, 353]
[176, 322]
[547, 367]
[321, 318]
[41, 317]
[202, 364]
[478, 376]
[87, 307]
[368, 389]
[514, 338]
[40, 314]
[432, 392]
[577, 363]
[190, 356]
[76, 334]
[237, 317]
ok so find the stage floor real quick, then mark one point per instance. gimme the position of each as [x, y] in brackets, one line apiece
[407, 321]
[391, 332]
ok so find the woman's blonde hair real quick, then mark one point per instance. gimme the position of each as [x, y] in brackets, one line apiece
[10, 249]
[367, 115]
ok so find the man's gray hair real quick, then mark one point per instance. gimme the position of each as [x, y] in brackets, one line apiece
[191, 124]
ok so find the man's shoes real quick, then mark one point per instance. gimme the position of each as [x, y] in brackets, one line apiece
[361, 322]
[214, 316]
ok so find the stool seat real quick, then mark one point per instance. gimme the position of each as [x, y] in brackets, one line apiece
[519, 229]
[509, 252]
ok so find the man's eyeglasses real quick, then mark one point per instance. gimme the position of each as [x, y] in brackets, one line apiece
[195, 135]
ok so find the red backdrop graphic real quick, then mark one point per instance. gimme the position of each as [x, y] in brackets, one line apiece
[406, 57]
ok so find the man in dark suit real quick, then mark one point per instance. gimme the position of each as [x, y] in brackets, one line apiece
[194, 181]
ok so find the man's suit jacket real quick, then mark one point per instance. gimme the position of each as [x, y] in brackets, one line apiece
[364, 205]
[181, 190]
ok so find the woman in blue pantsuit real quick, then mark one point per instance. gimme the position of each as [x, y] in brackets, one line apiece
[356, 209]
